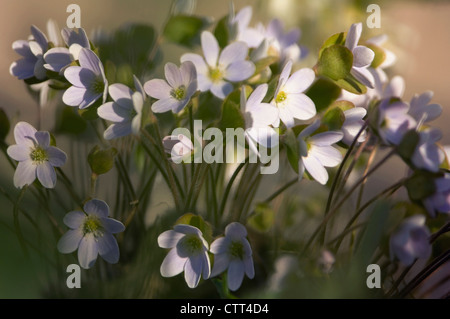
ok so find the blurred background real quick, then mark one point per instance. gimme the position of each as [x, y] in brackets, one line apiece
[419, 34]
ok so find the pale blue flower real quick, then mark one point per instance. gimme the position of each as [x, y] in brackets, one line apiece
[125, 111]
[91, 232]
[188, 253]
[289, 98]
[428, 155]
[317, 152]
[394, 121]
[36, 157]
[411, 240]
[32, 62]
[88, 81]
[439, 202]
[233, 252]
[59, 58]
[353, 123]
[362, 56]
[176, 93]
[421, 110]
[218, 68]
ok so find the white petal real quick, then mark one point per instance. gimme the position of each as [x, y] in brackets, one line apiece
[173, 75]
[187, 229]
[121, 94]
[220, 245]
[315, 168]
[189, 75]
[235, 231]
[73, 96]
[210, 48]
[74, 219]
[198, 61]
[221, 89]
[70, 241]
[284, 76]
[25, 174]
[239, 71]
[255, 98]
[113, 112]
[169, 239]
[395, 88]
[326, 138]
[221, 262]
[158, 89]
[108, 248]
[235, 52]
[300, 106]
[364, 76]
[19, 152]
[165, 105]
[87, 251]
[97, 207]
[286, 117]
[24, 133]
[118, 130]
[88, 59]
[193, 270]
[236, 272]
[353, 36]
[249, 267]
[327, 155]
[173, 264]
[299, 81]
[46, 175]
[362, 56]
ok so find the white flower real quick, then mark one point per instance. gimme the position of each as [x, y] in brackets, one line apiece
[421, 110]
[125, 111]
[411, 241]
[179, 147]
[427, 154]
[439, 202]
[176, 93]
[317, 152]
[394, 121]
[217, 69]
[233, 252]
[390, 57]
[362, 56]
[289, 98]
[353, 124]
[188, 253]
[258, 118]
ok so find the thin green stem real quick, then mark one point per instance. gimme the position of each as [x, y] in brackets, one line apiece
[229, 185]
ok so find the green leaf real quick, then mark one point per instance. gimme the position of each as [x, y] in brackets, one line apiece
[184, 30]
[101, 161]
[335, 62]
[408, 145]
[334, 118]
[272, 87]
[420, 185]
[263, 63]
[292, 148]
[338, 38]
[196, 221]
[380, 55]
[221, 32]
[351, 85]
[4, 125]
[323, 92]
[263, 218]
[71, 122]
[232, 116]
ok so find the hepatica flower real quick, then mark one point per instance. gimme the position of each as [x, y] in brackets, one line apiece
[176, 93]
[188, 253]
[179, 147]
[353, 123]
[421, 110]
[57, 59]
[233, 252]
[317, 152]
[439, 202]
[218, 68]
[362, 56]
[88, 81]
[428, 154]
[411, 241]
[125, 111]
[32, 62]
[35, 156]
[394, 121]
[289, 98]
[91, 232]
[259, 117]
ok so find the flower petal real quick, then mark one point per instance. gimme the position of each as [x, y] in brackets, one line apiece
[19, 152]
[299, 81]
[89, 60]
[24, 133]
[74, 219]
[25, 174]
[362, 56]
[284, 76]
[70, 241]
[87, 251]
[364, 76]
[96, 207]
[193, 270]
[235, 274]
[73, 96]
[286, 117]
[22, 47]
[158, 89]
[113, 112]
[300, 106]
[46, 175]
[221, 262]
[173, 75]
[169, 239]
[353, 36]
[255, 98]
[39, 37]
[108, 248]
[189, 74]
[249, 267]
[315, 168]
[198, 61]
[395, 88]
[23, 68]
[210, 48]
[239, 71]
[75, 36]
[112, 226]
[221, 89]
[121, 94]
[172, 264]
[234, 52]
[235, 231]
[187, 229]
[327, 155]
[117, 130]
[57, 58]
[326, 138]
[165, 105]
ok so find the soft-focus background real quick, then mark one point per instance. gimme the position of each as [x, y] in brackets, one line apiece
[419, 33]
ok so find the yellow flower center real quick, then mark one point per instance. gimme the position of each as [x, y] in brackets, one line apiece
[92, 225]
[179, 93]
[215, 74]
[38, 155]
[281, 97]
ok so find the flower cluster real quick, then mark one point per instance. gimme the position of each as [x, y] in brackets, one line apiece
[242, 78]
